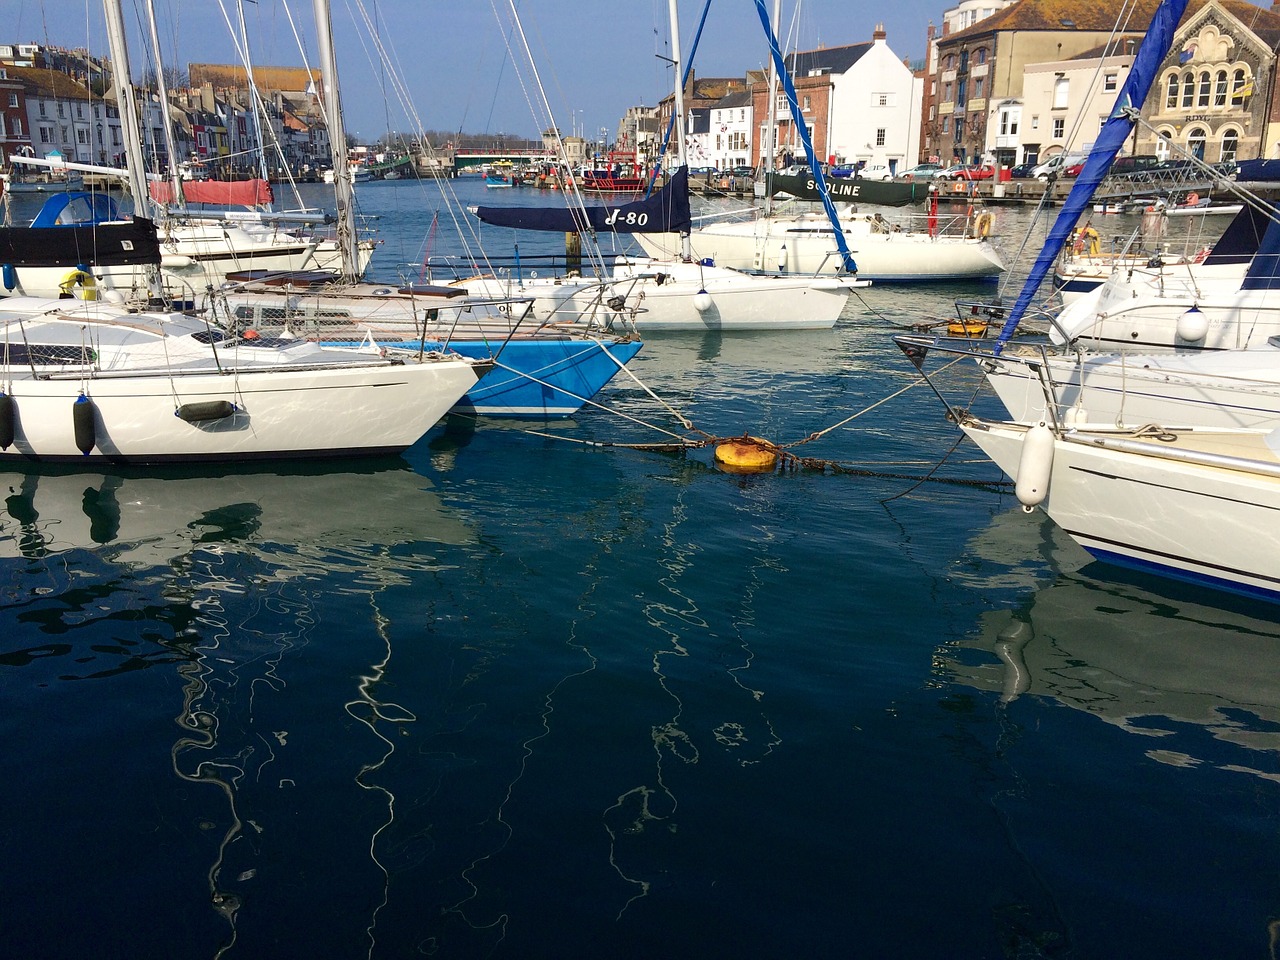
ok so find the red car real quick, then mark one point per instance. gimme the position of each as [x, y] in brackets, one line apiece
[972, 171]
[1073, 170]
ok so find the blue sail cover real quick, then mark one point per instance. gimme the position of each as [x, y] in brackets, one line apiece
[794, 102]
[667, 211]
[1264, 267]
[1112, 136]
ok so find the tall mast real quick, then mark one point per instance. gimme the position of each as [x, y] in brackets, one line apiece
[681, 159]
[162, 89]
[767, 158]
[343, 189]
[127, 101]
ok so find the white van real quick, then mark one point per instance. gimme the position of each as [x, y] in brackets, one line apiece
[1054, 166]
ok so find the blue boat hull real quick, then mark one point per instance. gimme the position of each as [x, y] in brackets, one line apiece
[537, 379]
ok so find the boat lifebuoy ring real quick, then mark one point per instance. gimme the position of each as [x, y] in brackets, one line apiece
[81, 279]
[982, 225]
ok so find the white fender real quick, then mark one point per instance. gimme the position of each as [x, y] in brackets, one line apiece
[1034, 466]
[782, 259]
[1193, 325]
[702, 301]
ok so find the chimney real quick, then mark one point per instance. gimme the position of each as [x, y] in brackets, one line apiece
[879, 35]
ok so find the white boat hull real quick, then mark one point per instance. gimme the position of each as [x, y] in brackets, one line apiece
[806, 245]
[1130, 503]
[357, 411]
[1224, 389]
[675, 296]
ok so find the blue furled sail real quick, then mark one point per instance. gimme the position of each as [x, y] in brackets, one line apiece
[667, 211]
[1112, 136]
[790, 88]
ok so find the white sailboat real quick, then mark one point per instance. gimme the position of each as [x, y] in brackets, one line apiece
[675, 291]
[1195, 503]
[93, 381]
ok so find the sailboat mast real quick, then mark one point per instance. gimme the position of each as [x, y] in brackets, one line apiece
[767, 150]
[343, 189]
[162, 90]
[682, 160]
[127, 102]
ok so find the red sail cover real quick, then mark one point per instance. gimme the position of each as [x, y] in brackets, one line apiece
[229, 193]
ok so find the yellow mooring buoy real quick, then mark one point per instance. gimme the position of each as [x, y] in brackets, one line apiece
[746, 455]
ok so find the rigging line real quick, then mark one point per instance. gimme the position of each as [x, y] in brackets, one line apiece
[594, 253]
[818, 434]
[463, 227]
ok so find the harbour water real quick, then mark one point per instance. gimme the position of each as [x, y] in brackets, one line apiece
[527, 692]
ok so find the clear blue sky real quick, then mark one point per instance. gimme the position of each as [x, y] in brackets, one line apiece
[595, 57]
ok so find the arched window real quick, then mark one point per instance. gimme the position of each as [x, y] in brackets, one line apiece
[1241, 87]
[1171, 95]
[1162, 146]
[1188, 90]
[1195, 142]
[1230, 144]
[1220, 90]
[1203, 100]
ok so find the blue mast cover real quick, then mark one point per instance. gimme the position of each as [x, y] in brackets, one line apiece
[794, 103]
[1155, 45]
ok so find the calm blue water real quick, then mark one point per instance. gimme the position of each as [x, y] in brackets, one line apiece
[521, 696]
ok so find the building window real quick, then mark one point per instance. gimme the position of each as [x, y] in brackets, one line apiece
[13, 99]
[946, 92]
[1061, 93]
[62, 109]
[806, 107]
[1162, 146]
[1035, 121]
[1195, 142]
[45, 135]
[1171, 96]
[1059, 127]
[1240, 88]
[82, 136]
[1188, 90]
[980, 55]
[1203, 100]
[1220, 90]
[880, 136]
[946, 123]
[44, 113]
[882, 99]
[1230, 144]
[1109, 82]
[80, 111]
[17, 126]
[978, 85]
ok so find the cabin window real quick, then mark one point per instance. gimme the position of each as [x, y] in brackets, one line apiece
[1203, 100]
[1220, 90]
[1230, 144]
[1188, 90]
[1171, 96]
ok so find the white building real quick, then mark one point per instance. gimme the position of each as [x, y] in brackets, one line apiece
[861, 103]
[729, 138]
[1065, 103]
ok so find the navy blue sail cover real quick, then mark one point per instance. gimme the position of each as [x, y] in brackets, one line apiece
[1115, 131]
[667, 211]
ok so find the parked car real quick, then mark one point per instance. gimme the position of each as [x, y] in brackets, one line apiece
[1135, 166]
[1022, 171]
[969, 171]
[922, 171]
[875, 171]
[743, 171]
[1073, 170]
[1054, 166]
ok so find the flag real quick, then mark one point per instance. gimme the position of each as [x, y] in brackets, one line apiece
[1246, 90]
[1188, 52]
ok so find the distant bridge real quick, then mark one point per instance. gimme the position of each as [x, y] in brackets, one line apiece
[466, 158]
